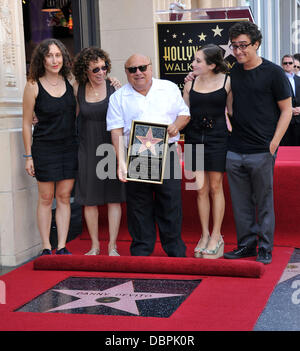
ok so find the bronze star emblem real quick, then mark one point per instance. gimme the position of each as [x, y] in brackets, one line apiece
[148, 142]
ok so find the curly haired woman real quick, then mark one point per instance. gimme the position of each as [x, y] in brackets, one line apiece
[93, 90]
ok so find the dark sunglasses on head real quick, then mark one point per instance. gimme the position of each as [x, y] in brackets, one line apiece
[142, 68]
[297, 67]
[288, 63]
[97, 69]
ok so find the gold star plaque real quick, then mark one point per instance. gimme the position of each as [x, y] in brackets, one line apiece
[147, 150]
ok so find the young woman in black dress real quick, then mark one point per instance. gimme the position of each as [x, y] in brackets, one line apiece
[207, 95]
[93, 189]
[51, 151]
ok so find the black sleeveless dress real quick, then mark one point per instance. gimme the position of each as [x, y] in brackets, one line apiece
[207, 126]
[97, 182]
[55, 146]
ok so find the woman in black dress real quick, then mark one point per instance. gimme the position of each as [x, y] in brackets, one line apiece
[207, 95]
[97, 183]
[51, 151]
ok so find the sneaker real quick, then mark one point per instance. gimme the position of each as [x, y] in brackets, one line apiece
[46, 252]
[241, 252]
[264, 256]
[63, 251]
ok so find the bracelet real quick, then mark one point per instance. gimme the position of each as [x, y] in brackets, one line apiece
[27, 155]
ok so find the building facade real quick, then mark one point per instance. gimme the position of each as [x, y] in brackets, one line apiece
[121, 28]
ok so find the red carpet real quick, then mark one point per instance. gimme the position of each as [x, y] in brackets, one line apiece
[155, 265]
[218, 303]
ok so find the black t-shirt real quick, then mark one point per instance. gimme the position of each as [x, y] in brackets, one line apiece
[255, 109]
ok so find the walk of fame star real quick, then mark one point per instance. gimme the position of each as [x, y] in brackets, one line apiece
[113, 297]
[121, 297]
[148, 142]
[292, 270]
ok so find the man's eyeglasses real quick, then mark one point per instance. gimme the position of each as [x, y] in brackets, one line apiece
[297, 67]
[288, 63]
[142, 68]
[97, 69]
[241, 46]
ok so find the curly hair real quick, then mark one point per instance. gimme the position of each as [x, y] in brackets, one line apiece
[247, 28]
[37, 68]
[82, 61]
[213, 54]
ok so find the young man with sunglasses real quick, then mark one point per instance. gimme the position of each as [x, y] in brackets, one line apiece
[262, 111]
[292, 135]
[147, 99]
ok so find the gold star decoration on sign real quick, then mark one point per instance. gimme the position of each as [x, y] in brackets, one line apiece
[217, 31]
[227, 49]
[202, 37]
[190, 41]
[174, 36]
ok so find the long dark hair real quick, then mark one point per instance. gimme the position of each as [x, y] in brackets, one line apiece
[37, 68]
[213, 54]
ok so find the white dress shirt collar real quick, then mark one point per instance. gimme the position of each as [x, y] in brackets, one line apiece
[292, 81]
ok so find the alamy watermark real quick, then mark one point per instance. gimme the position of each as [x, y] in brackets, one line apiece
[107, 166]
[296, 293]
[296, 32]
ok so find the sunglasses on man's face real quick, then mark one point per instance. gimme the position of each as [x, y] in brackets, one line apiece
[297, 67]
[97, 69]
[142, 68]
[288, 63]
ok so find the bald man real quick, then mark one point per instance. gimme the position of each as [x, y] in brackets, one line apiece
[147, 99]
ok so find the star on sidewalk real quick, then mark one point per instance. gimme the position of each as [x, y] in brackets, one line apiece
[291, 271]
[121, 297]
[148, 142]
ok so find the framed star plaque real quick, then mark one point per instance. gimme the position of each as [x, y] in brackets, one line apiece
[147, 151]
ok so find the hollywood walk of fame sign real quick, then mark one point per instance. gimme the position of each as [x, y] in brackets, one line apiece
[179, 41]
[113, 296]
[147, 151]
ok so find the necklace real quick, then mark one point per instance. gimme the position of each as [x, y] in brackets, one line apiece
[94, 90]
[53, 84]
